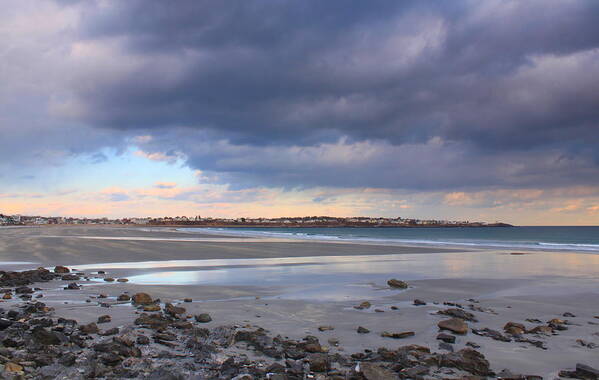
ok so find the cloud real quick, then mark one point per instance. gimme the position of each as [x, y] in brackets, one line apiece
[458, 99]
[510, 105]
[165, 185]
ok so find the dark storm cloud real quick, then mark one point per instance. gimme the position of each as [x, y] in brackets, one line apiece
[410, 94]
[300, 72]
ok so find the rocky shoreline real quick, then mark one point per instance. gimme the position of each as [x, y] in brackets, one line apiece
[163, 341]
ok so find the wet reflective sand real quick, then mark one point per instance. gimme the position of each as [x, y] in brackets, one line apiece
[355, 277]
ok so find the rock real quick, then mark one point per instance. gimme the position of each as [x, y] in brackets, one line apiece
[173, 310]
[313, 347]
[493, 334]
[445, 346]
[108, 279]
[363, 305]
[582, 371]
[122, 280]
[514, 328]
[244, 376]
[203, 318]
[372, 371]
[72, 286]
[110, 359]
[455, 325]
[5, 323]
[23, 290]
[458, 313]
[112, 331]
[418, 302]
[586, 371]
[585, 343]
[446, 338]
[397, 335]
[142, 299]
[90, 328]
[567, 314]
[68, 359]
[363, 330]
[104, 319]
[152, 307]
[319, 362]
[533, 320]
[394, 283]
[187, 300]
[415, 372]
[466, 359]
[143, 340]
[154, 321]
[325, 328]
[545, 330]
[45, 337]
[70, 277]
[124, 297]
[6, 296]
[12, 367]
[557, 321]
[557, 324]
[61, 269]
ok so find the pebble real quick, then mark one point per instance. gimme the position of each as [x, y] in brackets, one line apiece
[326, 328]
[394, 283]
[397, 335]
[104, 319]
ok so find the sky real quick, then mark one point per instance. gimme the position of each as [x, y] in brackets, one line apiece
[461, 110]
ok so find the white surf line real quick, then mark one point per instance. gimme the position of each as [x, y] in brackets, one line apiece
[141, 238]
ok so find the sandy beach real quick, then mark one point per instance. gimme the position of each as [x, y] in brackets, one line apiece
[294, 287]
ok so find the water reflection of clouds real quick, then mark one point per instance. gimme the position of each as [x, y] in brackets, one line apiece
[418, 266]
[339, 277]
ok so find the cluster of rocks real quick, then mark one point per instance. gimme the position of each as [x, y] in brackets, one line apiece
[167, 344]
[164, 341]
[23, 278]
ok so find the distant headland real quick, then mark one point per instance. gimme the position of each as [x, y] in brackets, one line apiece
[295, 222]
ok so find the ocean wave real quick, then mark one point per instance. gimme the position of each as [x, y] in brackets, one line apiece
[529, 245]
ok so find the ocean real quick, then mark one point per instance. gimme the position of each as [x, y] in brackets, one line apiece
[536, 238]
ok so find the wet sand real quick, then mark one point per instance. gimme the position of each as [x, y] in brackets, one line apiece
[85, 245]
[505, 287]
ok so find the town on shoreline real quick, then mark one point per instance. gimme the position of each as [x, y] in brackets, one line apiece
[295, 222]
